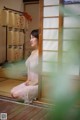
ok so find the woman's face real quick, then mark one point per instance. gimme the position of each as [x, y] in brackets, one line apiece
[34, 42]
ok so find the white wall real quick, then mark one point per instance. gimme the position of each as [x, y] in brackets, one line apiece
[33, 10]
[13, 4]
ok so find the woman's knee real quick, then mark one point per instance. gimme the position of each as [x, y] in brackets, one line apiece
[14, 94]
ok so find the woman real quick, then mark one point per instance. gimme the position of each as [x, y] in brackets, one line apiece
[28, 90]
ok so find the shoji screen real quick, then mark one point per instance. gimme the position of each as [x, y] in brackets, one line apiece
[50, 40]
[71, 25]
[50, 32]
[57, 34]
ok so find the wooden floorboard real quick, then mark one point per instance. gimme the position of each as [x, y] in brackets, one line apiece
[18, 111]
[40, 115]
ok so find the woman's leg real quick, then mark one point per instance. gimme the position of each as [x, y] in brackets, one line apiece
[17, 91]
[26, 93]
[31, 92]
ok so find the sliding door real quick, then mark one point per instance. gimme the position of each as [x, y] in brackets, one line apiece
[50, 41]
[58, 28]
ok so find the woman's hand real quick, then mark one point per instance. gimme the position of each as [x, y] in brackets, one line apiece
[27, 82]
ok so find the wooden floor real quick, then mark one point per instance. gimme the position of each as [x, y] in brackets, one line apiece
[18, 111]
[6, 84]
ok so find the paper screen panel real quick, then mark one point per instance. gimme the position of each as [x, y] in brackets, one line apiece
[50, 23]
[51, 11]
[70, 34]
[49, 67]
[66, 45]
[72, 9]
[50, 34]
[50, 56]
[50, 45]
[51, 2]
[72, 69]
[71, 22]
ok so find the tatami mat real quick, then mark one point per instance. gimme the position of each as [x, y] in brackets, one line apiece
[11, 74]
[8, 82]
[7, 85]
[3, 75]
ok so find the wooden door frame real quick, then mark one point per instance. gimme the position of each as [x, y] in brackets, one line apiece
[41, 43]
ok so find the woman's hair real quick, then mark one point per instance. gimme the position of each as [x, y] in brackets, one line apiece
[35, 33]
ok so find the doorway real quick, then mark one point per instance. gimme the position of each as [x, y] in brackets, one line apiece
[12, 74]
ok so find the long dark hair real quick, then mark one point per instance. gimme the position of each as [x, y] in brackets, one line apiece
[35, 33]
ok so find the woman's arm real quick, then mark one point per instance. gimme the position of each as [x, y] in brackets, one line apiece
[33, 82]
